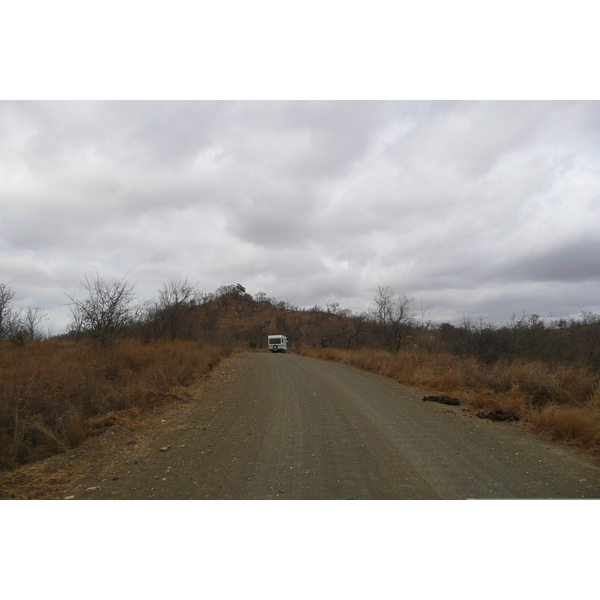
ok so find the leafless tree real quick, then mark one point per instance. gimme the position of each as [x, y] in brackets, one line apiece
[6, 309]
[358, 329]
[108, 309]
[261, 297]
[14, 327]
[32, 318]
[391, 316]
[16, 324]
[176, 300]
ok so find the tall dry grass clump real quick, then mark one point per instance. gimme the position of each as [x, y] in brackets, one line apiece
[53, 394]
[563, 402]
[573, 425]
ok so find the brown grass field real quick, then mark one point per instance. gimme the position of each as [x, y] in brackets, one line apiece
[56, 393]
[561, 403]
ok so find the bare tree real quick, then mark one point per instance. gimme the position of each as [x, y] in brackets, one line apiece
[11, 319]
[108, 309]
[14, 327]
[358, 329]
[391, 315]
[176, 300]
[261, 297]
[16, 324]
[32, 319]
[6, 309]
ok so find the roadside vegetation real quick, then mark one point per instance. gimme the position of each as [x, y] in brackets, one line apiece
[119, 358]
[122, 356]
[561, 402]
[56, 393]
[545, 372]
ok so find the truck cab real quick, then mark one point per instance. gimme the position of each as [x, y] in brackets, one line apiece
[277, 343]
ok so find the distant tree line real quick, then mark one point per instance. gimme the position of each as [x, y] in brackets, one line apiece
[110, 310]
[392, 324]
[528, 337]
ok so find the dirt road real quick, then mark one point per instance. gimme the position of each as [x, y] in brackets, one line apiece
[290, 427]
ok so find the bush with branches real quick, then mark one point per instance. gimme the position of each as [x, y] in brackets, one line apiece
[107, 311]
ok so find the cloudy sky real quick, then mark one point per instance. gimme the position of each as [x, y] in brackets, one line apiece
[473, 208]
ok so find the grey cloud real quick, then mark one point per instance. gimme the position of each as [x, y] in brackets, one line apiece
[305, 139]
[134, 132]
[574, 261]
[474, 206]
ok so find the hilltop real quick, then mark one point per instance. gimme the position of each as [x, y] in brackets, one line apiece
[236, 317]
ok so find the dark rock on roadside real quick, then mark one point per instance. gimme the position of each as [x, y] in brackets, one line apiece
[499, 415]
[442, 400]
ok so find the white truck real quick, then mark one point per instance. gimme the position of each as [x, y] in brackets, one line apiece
[277, 343]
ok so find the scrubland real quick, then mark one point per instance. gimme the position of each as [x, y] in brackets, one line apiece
[560, 402]
[56, 393]
[119, 358]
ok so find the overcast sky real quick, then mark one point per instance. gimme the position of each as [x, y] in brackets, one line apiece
[474, 208]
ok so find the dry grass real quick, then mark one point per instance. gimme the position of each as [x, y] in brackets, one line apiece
[54, 394]
[573, 425]
[562, 402]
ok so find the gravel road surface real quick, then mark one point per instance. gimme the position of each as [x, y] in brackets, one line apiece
[283, 426]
